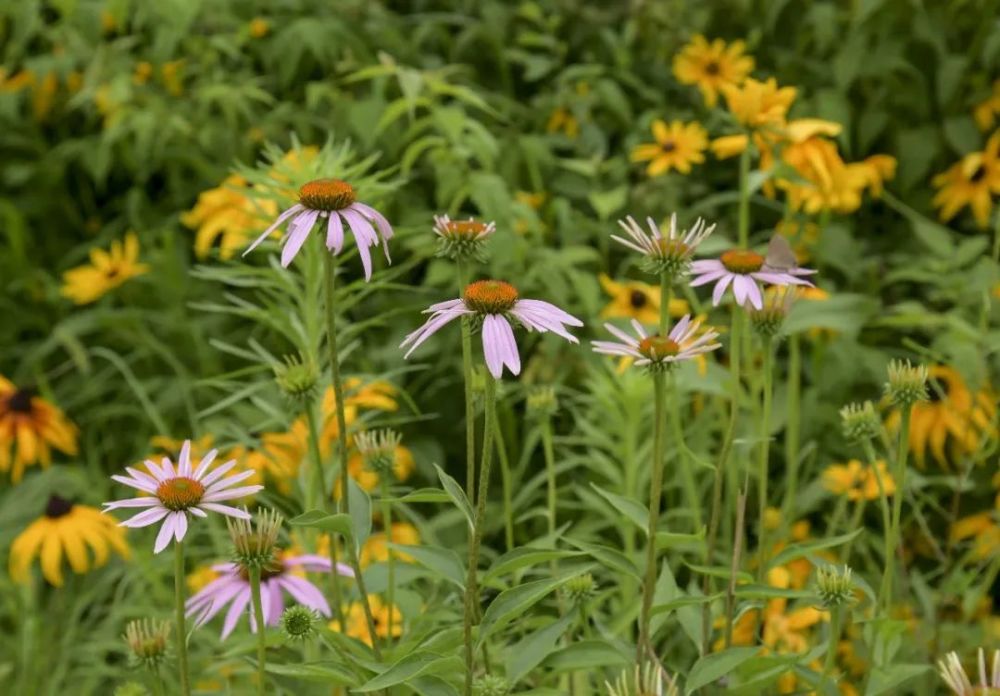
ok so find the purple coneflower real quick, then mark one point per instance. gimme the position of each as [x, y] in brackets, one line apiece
[670, 253]
[175, 492]
[742, 269]
[496, 303]
[233, 588]
[659, 352]
[335, 201]
[462, 239]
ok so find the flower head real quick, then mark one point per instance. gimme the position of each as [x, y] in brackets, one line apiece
[105, 272]
[834, 586]
[283, 574]
[632, 299]
[176, 492]
[768, 320]
[951, 670]
[972, 181]
[147, 639]
[65, 528]
[656, 352]
[907, 383]
[297, 377]
[711, 66]
[378, 449]
[742, 269]
[462, 239]
[376, 547]
[757, 104]
[495, 303]
[298, 622]
[29, 427]
[490, 685]
[334, 201]
[678, 146]
[860, 422]
[647, 680]
[255, 545]
[670, 253]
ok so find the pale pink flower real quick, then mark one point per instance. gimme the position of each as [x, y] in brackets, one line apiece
[496, 303]
[743, 269]
[683, 342]
[176, 492]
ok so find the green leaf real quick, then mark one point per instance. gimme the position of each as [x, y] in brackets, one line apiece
[361, 511]
[529, 652]
[793, 551]
[456, 494]
[424, 495]
[884, 680]
[414, 664]
[685, 601]
[324, 521]
[717, 665]
[328, 672]
[512, 603]
[769, 592]
[444, 562]
[632, 509]
[607, 556]
[522, 558]
[669, 540]
[587, 655]
[723, 572]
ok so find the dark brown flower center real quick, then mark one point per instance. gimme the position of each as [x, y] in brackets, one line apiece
[712, 68]
[20, 400]
[638, 299]
[327, 194]
[180, 493]
[490, 296]
[978, 174]
[742, 261]
[668, 146]
[658, 347]
[57, 507]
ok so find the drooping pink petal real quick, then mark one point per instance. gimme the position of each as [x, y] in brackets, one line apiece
[166, 532]
[334, 233]
[281, 218]
[740, 289]
[180, 525]
[707, 277]
[218, 473]
[134, 483]
[508, 345]
[384, 228]
[230, 481]
[414, 339]
[240, 603]
[364, 236]
[298, 232]
[720, 288]
[145, 501]
[706, 266]
[754, 293]
[492, 349]
[232, 494]
[305, 593]
[206, 462]
[144, 519]
[225, 510]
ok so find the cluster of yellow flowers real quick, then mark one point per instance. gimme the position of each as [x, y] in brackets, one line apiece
[822, 180]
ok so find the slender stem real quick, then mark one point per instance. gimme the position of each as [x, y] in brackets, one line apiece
[655, 492]
[157, 682]
[258, 611]
[792, 427]
[471, 582]
[765, 450]
[550, 474]
[505, 484]
[390, 562]
[836, 615]
[883, 498]
[470, 406]
[741, 510]
[345, 495]
[720, 469]
[666, 294]
[902, 449]
[317, 459]
[854, 523]
[744, 201]
[182, 657]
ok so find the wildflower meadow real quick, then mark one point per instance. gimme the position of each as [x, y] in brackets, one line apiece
[485, 347]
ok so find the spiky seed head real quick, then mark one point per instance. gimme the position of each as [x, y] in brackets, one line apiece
[647, 680]
[255, 541]
[768, 320]
[490, 685]
[297, 377]
[148, 640]
[542, 403]
[378, 448]
[462, 240]
[907, 383]
[834, 585]
[580, 588]
[299, 623]
[860, 422]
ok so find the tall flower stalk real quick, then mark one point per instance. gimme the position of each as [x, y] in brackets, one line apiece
[655, 493]
[182, 657]
[471, 581]
[345, 496]
[258, 612]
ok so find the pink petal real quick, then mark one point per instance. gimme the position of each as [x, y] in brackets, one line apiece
[206, 462]
[740, 289]
[145, 501]
[230, 481]
[492, 349]
[184, 461]
[225, 510]
[720, 289]
[144, 519]
[166, 531]
[430, 328]
[298, 232]
[133, 483]
[305, 593]
[180, 525]
[707, 277]
[364, 237]
[217, 473]
[232, 494]
[334, 233]
[281, 218]
[233, 615]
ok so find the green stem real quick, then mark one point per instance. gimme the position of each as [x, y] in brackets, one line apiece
[470, 406]
[744, 200]
[792, 428]
[258, 610]
[883, 498]
[666, 294]
[855, 522]
[902, 449]
[550, 474]
[762, 464]
[720, 469]
[345, 491]
[317, 459]
[831, 647]
[471, 582]
[655, 492]
[182, 656]
[390, 562]
[505, 483]
[157, 682]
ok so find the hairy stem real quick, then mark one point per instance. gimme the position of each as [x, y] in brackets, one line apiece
[317, 459]
[182, 657]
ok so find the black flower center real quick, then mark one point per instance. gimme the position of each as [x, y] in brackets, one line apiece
[712, 68]
[668, 146]
[638, 299]
[57, 507]
[978, 174]
[20, 401]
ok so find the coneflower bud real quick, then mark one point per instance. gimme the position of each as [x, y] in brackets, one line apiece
[542, 403]
[907, 383]
[296, 377]
[768, 320]
[299, 622]
[378, 448]
[255, 543]
[580, 588]
[648, 680]
[490, 685]
[148, 640]
[460, 240]
[860, 422]
[834, 586]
